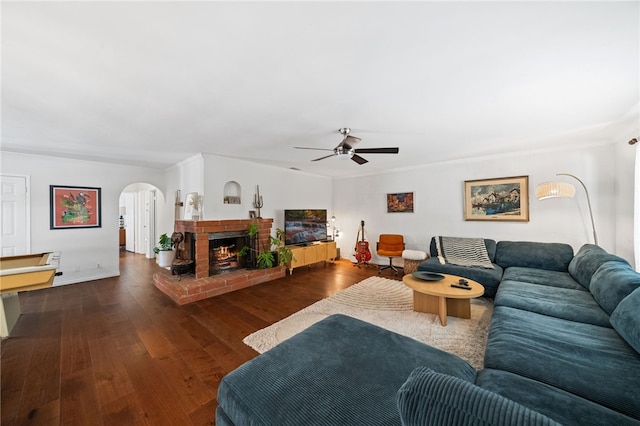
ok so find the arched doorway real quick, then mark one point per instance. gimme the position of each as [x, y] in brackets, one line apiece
[139, 217]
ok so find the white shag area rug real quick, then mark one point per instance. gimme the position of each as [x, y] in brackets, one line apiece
[389, 304]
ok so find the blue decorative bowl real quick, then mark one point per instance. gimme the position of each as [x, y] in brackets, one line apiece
[427, 276]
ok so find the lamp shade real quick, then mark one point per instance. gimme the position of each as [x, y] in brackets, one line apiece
[555, 189]
[123, 210]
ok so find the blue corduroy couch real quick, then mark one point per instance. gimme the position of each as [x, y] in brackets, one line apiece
[563, 348]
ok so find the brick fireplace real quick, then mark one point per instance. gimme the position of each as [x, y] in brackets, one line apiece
[197, 246]
[197, 234]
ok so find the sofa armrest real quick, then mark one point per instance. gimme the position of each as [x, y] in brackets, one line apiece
[431, 398]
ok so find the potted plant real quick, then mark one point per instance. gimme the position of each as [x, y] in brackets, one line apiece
[285, 255]
[266, 258]
[251, 248]
[164, 251]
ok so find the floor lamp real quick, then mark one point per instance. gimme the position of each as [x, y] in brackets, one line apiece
[563, 189]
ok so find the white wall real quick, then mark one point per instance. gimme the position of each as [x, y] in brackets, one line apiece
[186, 176]
[606, 169]
[625, 185]
[280, 188]
[439, 201]
[87, 253]
[623, 193]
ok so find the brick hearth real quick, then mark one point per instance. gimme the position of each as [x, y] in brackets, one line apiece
[190, 288]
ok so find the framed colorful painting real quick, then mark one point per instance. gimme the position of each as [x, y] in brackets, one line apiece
[400, 202]
[500, 199]
[74, 207]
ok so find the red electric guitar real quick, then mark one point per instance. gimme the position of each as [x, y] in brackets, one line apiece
[363, 255]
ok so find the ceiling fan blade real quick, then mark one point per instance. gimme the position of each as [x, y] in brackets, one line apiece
[322, 158]
[378, 150]
[316, 149]
[359, 159]
[351, 140]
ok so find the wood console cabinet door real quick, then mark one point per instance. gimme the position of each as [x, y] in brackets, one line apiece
[332, 250]
[298, 258]
[303, 256]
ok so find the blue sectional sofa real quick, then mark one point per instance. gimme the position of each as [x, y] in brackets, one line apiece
[563, 348]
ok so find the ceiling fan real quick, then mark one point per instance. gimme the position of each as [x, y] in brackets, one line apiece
[346, 149]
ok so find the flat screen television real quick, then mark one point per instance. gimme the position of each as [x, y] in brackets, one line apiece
[305, 226]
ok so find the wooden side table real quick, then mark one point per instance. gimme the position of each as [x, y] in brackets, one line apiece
[438, 297]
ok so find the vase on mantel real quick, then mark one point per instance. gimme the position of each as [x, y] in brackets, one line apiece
[195, 203]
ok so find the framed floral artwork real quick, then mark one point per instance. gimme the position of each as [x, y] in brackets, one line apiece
[499, 199]
[74, 207]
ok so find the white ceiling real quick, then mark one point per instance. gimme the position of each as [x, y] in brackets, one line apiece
[153, 83]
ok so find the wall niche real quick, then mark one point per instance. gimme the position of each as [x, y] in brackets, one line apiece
[231, 193]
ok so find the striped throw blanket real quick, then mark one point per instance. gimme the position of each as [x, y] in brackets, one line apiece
[463, 251]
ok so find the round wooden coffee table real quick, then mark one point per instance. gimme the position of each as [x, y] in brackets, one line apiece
[438, 297]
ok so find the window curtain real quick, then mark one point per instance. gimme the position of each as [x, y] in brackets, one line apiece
[636, 211]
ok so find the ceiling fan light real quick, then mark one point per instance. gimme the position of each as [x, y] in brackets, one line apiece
[345, 154]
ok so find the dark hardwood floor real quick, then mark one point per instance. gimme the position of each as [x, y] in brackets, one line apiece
[119, 352]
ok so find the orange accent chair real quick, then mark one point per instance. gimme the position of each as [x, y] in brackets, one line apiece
[390, 245]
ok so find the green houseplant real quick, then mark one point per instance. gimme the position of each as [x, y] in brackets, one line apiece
[164, 251]
[285, 255]
[266, 258]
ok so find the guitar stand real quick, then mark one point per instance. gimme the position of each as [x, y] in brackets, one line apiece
[366, 264]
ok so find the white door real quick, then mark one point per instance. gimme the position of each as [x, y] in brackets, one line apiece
[14, 215]
[150, 222]
[128, 200]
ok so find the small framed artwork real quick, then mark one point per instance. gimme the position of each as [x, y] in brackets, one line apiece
[229, 199]
[499, 199]
[400, 202]
[74, 207]
[252, 214]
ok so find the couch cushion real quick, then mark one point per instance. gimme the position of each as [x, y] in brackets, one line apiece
[626, 320]
[563, 407]
[338, 371]
[489, 278]
[414, 255]
[612, 282]
[431, 398]
[542, 277]
[550, 256]
[587, 261]
[222, 419]
[590, 361]
[566, 303]
[489, 244]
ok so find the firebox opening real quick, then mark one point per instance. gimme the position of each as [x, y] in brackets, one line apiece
[223, 252]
